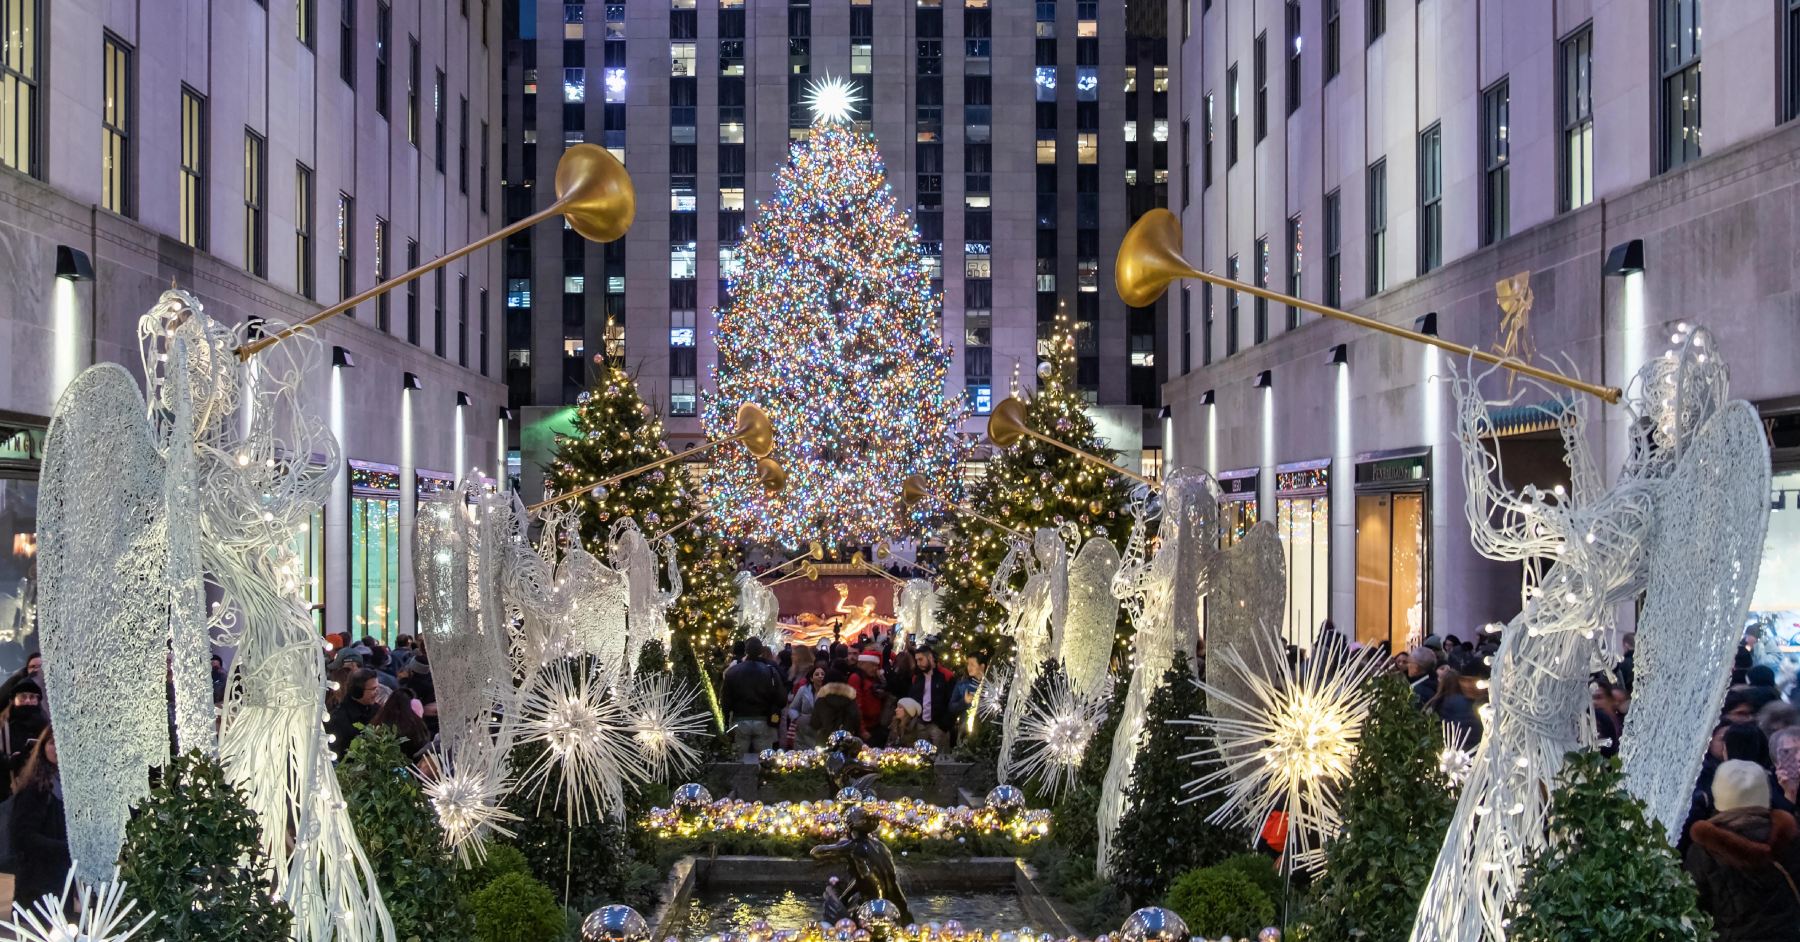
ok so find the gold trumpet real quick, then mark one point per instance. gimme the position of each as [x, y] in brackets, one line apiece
[1007, 425]
[913, 490]
[1149, 259]
[592, 190]
[807, 571]
[753, 429]
[814, 552]
[859, 562]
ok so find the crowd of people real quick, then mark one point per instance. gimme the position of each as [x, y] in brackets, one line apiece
[888, 694]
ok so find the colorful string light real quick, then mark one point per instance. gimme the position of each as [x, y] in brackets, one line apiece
[895, 759]
[832, 327]
[901, 819]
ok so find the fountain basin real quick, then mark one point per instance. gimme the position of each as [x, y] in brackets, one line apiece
[709, 895]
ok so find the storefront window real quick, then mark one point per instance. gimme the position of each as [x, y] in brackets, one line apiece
[309, 566]
[1303, 521]
[21, 452]
[1390, 568]
[374, 550]
[1776, 605]
[1238, 511]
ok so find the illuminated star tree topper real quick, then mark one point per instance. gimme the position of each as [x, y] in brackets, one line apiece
[832, 327]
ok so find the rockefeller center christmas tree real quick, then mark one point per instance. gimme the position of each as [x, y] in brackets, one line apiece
[833, 328]
[1032, 484]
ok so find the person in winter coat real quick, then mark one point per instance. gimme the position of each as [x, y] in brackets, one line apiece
[354, 711]
[835, 707]
[1745, 860]
[39, 831]
[934, 689]
[754, 695]
[798, 715]
[1453, 707]
[870, 696]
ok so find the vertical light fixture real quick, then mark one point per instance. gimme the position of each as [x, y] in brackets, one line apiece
[1208, 400]
[409, 499]
[1342, 493]
[1265, 477]
[1625, 261]
[502, 479]
[67, 329]
[1167, 414]
[337, 512]
[462, 403]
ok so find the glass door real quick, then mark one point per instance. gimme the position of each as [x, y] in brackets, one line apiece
[1390, 569]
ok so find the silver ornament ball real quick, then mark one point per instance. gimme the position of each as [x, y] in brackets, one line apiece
[692, 797]
[615, 923]
[1006, 801]
[1269, 934]
[881, 917]
[925, 748]
[1153, 924]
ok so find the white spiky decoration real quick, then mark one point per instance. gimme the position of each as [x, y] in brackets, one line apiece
[990, 694]
[1055, 732]
[1288, 747]
[101, 912]
[1456, 757]
[579, 715]
[663, 723]
[467, 788]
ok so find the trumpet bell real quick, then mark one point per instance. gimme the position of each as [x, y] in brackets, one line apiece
[599, 200]
[815, 550]
[1149, 258]
[913, 490]
[1007, 425]
[755, 429]
[809, 572]
[771, 475]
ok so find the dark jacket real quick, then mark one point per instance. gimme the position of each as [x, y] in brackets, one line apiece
[754, 689]
[1424, 687]
[1455, 709]
[943, 712]
[834, 709]
[40, 844]
[1745, 864]
[346, 717]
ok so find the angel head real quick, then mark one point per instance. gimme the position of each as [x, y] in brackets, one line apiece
[210, 371]
[1672, 396]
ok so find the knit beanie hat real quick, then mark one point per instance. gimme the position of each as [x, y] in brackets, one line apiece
[1740, 784]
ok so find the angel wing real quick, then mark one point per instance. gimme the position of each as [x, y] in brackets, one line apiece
[1710, 522]
[600, 617]
[1247, 587]
[103, 606]
[468, 655]
[1093, 617]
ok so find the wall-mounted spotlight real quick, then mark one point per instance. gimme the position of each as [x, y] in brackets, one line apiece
[1426, 324]
[1340, 355]
[254, 326]
[1626, 258]
[411, 381]
[1206, 398]
[340, 356]
[73, 264]
[462, 398]
[1166, 412]
[1265, 379]
[506, 414]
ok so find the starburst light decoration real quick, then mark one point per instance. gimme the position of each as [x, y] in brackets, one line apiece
[466, 789]
[832, 100]
[990, 694]
[663, 721]
[1457, 757]
[579, 714]
[101, 909]
[832, 328]
[1288, 747]
[1056, 731]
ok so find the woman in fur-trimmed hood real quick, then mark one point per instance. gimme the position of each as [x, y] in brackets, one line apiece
[1745, 860]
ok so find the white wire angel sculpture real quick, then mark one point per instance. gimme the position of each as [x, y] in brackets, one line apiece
[1034, 619]
[647, 602]
[1162, 594]
[758, 611]
[1685, 519]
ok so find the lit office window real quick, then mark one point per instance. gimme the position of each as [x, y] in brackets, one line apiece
[193, 168]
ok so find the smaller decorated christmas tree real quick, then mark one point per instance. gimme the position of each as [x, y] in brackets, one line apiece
[1162, 834]
[1395, 808]
[1032, 484]
[195, 840]
[614, 432]
[1605, 871]
[401, 835]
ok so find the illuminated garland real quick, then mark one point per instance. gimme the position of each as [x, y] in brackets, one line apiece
[901, 819]
[833, 328]
[923, 755]
[846, 930]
